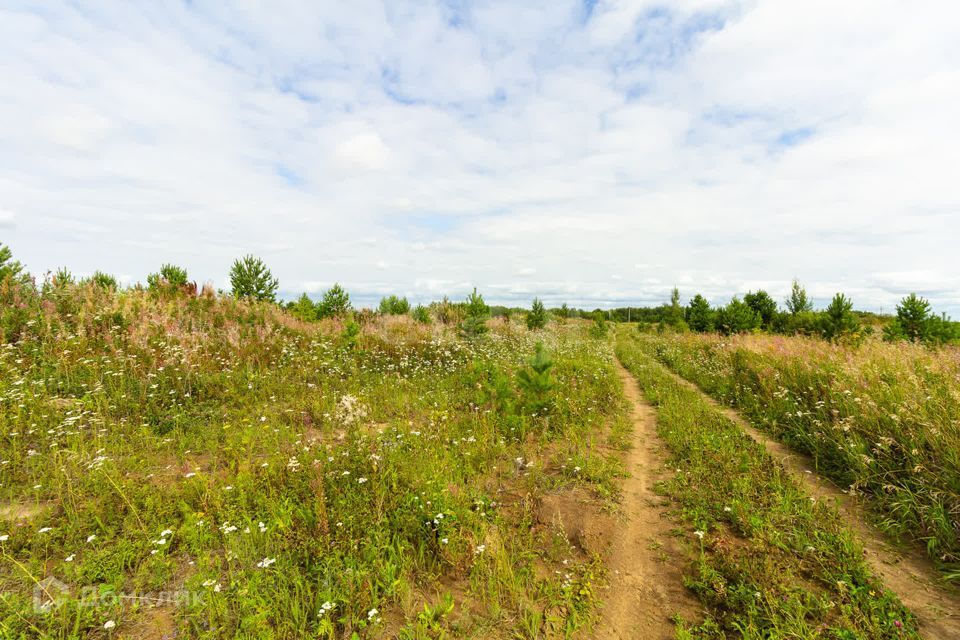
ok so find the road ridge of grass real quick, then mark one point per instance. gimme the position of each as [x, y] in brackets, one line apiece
[774, 561]
[906, 571]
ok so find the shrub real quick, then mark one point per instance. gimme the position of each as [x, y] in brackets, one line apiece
[838, 320]
[916, 322]
[737, 317]
[421, 314]
[798, 301]
[763, 305]
[251, 279]
[103, 280]
[563, 311]
[447, 312]
[393, 306]
[674, 313]
[700, 317]
[335, 303]
[10, 268]
[170, 278]
[600, 328]
[304, 308]
[475, 324]
[537, 318]
[536, 381]
[62, 278]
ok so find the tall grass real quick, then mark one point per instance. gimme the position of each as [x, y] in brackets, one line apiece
[880, 419]
[299, 481]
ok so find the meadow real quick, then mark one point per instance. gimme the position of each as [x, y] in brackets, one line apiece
[293, 479]
[200, 464]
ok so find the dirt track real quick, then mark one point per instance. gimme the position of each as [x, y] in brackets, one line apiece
[646, 584]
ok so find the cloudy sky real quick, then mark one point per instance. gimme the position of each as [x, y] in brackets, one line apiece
[596, 152]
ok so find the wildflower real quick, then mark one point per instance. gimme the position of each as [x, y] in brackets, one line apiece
[69, 558]
[699, 534]
[727, 509]
[109, 624]
[361, 480]
[45, 529]
[444, 541]
[266, 562]
[326, 607]
[480, 549]
[262, 527]
[4, 538]
[372, 614]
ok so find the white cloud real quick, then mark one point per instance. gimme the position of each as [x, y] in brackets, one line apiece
[714, 144]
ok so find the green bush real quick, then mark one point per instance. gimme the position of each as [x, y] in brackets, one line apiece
[838, 320]
[916, 322]
[251, 279]
[335, 303]
[304, 308]
[170, 278]
[700, 317]
[737, 317]
[421, 314]
[103, 281]
[394, 306]
[537, 318]
[798, 302]
[475, 323]
[763, 305]
[536, 381]
[600, 327]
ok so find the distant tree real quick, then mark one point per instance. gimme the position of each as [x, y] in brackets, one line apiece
[700, 317]
[674, 315]
[304, 308]
[421, 314]
[838, 320]
[763, 305]
[913, 315]
[916, 322]
[9, 268]
[737, 317]
[62, 278]
[103, 280]
[798, 302]
[475, 323]
[170, 277]
[537, 318]
[251, 279]
[564, 311]
[393, 306]
[335, 303]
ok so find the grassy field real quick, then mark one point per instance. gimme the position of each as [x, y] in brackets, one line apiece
[286, 480]
[882, 419]
[194, 466]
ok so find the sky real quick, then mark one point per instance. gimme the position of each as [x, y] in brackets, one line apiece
[591, 152]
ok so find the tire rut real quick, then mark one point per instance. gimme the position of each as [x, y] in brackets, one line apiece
[646, 585]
